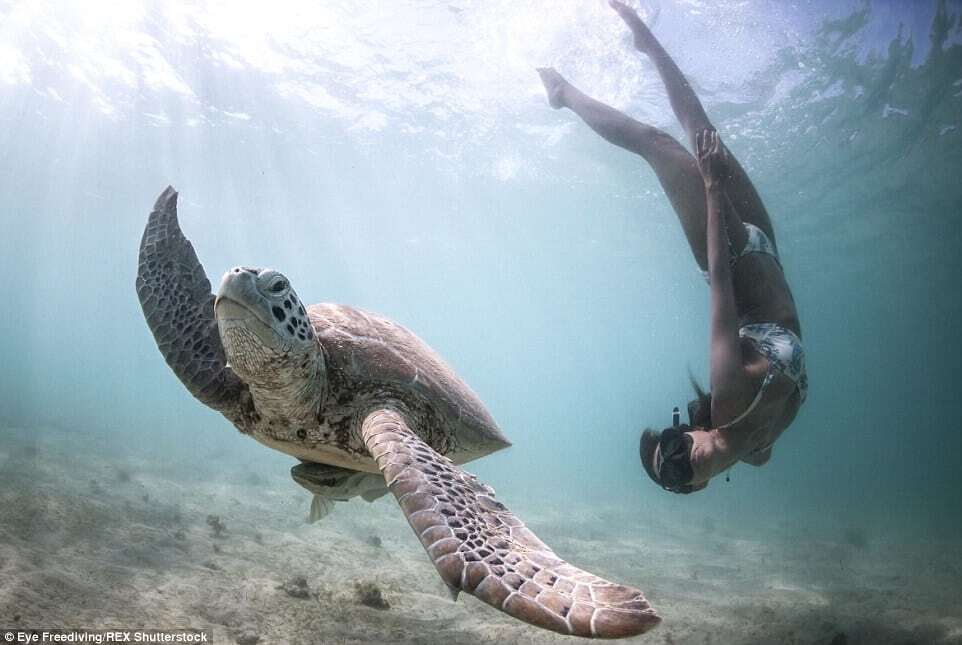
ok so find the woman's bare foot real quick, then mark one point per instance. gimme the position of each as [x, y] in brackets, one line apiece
[642, 35]
[554, 85]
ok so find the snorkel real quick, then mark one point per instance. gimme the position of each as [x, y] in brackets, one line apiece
[666, 457]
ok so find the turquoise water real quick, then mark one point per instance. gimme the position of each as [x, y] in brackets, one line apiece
[406, 162]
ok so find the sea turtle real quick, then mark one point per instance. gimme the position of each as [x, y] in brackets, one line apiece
[339, 387]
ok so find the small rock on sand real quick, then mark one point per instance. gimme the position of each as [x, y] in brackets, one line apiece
[247, 636]
[217, 527]
[296, 587]
[369, 594]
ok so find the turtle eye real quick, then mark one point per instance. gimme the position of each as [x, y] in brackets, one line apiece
[278, 286]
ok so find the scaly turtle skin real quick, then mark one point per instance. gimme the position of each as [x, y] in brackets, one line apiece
[346, 391]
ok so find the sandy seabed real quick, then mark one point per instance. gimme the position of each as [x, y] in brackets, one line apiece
[95, 538]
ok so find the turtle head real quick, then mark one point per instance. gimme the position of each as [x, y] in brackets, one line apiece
[264, 327]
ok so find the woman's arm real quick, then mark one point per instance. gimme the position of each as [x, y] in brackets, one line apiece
[731, 389]
[737, 235]
[715, 450]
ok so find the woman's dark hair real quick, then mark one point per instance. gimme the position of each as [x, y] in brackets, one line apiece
[699, 408]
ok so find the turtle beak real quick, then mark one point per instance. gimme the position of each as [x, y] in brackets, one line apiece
[238, 298]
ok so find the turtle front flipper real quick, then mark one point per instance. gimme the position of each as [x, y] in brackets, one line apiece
[179, 307]
[479, 546]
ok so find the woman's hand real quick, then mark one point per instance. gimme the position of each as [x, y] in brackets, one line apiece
[712, 158]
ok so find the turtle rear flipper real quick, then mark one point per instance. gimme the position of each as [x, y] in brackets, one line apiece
[373, 495]
[321, 507]
[339, 484]
[178, 304]
[480, 547]
[330, 484]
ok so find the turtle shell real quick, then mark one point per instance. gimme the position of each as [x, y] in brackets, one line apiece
[362, 349]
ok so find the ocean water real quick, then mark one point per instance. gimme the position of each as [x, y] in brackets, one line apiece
[402, 158]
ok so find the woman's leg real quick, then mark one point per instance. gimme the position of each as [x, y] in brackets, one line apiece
[676, 169]
[690, 113]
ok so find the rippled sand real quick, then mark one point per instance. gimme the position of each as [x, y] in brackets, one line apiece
[91, 537]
